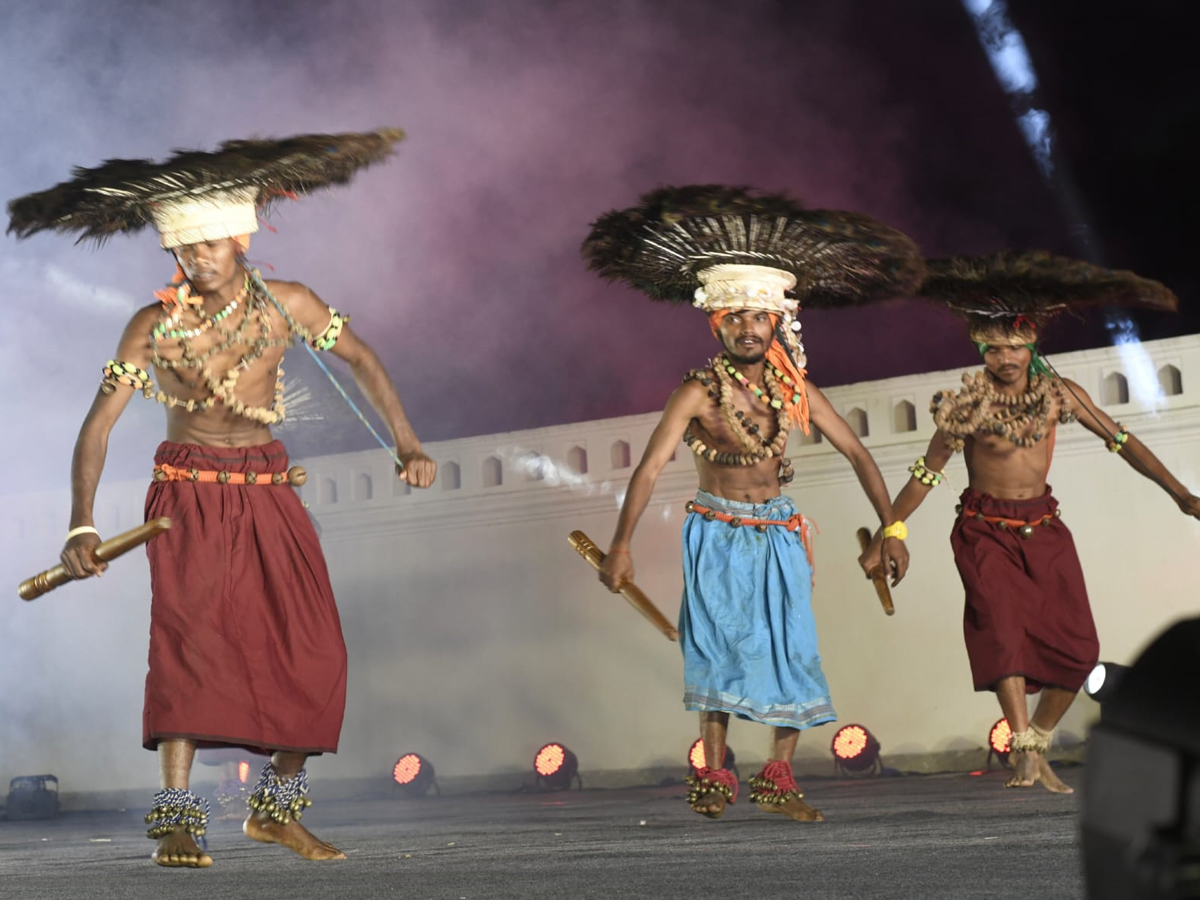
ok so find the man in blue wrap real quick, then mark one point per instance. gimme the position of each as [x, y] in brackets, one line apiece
[746, 625]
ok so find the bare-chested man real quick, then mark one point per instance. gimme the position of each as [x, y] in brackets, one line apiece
[1028, 625]
[246, 647]
[747, 630]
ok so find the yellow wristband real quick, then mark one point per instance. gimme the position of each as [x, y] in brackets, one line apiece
[897, 530]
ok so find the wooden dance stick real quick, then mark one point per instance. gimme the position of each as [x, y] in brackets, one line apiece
[878, 576]
[639, 601]
[32, 588]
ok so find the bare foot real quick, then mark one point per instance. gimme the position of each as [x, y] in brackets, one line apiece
[775, 791]
[711, 790]
[1050, 779]
[180, 850]
[795, 809]
[711, 804]
[1033, 767]
[293, 835]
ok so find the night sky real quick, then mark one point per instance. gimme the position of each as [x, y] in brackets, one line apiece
[458, 259]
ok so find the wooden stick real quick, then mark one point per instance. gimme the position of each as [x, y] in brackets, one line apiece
[44, 582]
[639, 601]
[878, 577]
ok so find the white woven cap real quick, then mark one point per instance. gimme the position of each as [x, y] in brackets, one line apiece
[210, 217]
[729, 286]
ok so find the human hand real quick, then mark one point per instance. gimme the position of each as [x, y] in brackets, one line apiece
[419, 470]
[79, 556]
[1190, 504]
[871, 559]
[616, 570]
[895, 559]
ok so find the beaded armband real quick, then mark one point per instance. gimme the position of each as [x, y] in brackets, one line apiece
[924, 474]
[283, 799]
[175, 807]
[117, 372]
[1117, 444]
[327, 338]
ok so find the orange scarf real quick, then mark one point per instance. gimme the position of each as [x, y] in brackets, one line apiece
[778, 357]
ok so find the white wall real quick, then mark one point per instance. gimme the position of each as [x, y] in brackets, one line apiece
[476, 633]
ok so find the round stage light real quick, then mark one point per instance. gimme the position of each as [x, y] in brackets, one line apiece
[855, 749]
[1102, 681]
[696, 756]
[999, 739]
[555, 767]
[413, 775]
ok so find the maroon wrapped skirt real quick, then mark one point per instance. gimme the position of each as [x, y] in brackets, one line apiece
[1027, 610]
[246, 646]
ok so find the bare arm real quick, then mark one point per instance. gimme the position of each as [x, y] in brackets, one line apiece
[91, 447]
[371, 378]
[1136, 454]
[685, 404]
[913, 493]
[892, 554]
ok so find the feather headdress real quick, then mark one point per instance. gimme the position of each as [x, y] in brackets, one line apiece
[836, 258]
[1016, 293]
[197, 195]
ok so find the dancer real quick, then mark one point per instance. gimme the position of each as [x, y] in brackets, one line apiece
[747, 630]
[246, 647]
[1027, 623]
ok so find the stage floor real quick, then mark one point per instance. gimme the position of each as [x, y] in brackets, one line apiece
[920, 837]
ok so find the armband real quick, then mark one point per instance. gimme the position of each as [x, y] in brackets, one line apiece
[924, 474]
[117, 372]
[327, 338]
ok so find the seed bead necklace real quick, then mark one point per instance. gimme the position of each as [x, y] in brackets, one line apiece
[166, 329]
[748, 434]
[973, 410]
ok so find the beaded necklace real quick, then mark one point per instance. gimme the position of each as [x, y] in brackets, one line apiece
[773, 402]
[165, 329]
[979, 408]
[222, 389]
[748, 434]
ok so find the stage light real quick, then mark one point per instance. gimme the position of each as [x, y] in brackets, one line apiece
[1103, 681]
[855, 749]
[243, 771]
[1140, 820]
[999, 742]
[696, 756]
[555, 767]
[413, 775]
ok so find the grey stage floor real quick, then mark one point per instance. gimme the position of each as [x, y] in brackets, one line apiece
[951, 836]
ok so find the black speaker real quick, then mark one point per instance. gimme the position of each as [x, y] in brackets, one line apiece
[1141, 802]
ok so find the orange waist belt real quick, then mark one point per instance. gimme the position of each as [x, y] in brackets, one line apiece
[294, 476]
[795, 522]
[1021, 526]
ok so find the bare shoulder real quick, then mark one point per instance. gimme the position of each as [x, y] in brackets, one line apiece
[148, 313]
[288, 292]
[694, 392]
[143, 321]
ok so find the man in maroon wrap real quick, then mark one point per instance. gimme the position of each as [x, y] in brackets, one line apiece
[246, 647]
[1027, 624]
